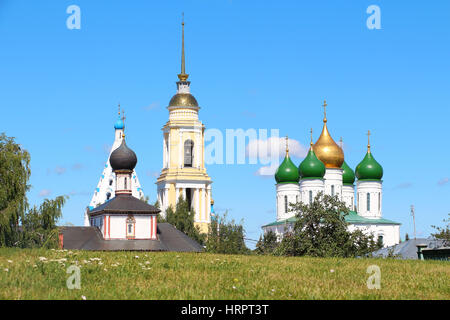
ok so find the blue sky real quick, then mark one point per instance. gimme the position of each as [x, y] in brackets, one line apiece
[253, 64]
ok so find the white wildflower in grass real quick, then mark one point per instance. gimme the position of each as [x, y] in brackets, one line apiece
[136, 257]
[83, 297]
[10, 261]
[100, 263]
[273, 290]
[332, 270]
[42, 258]
[105, 269]
[234, 287]
[147, 262]
[6, 269]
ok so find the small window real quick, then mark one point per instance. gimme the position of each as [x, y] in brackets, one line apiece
[125, 184]
[380, 240]
[285, 204]
[379, 202]
[110, 182]
[188, 153]
[310, 197]
[130, 227]
[368, 201]
[332, 191]
[108, 195]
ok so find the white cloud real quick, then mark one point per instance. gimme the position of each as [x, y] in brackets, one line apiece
[151, 106]
[266, 171]
[443, 181]
[60, 170]
[77, 166]
[262, 149]
[44, 193]
[272, 149]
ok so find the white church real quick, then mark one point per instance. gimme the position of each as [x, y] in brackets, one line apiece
[324, 170]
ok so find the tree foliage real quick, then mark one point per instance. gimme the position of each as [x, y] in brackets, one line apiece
[14, 174]
[38, 224]
[267, 243]
[443, 233]
[226, 237]
[183, 219]
[321, 231]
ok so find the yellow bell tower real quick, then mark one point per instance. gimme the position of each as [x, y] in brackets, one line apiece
[184, 171]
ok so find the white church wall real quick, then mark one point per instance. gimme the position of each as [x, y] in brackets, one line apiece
[389, 232]
[287, 193]
[348, 196]
[307, 185]
[333, 182]
[373, 190]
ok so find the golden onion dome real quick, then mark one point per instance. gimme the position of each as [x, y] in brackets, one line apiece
[327, 150]
[183, 100]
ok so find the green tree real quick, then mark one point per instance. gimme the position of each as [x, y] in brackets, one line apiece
[443, 233]
[321, 230]
[267, 243]
[226, 237]
[14, 174]
[39, 224]
[183, 219]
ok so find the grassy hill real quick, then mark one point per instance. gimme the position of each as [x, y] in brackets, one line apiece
[41, 274]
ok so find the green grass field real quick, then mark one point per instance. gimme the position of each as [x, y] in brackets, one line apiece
[41, 274]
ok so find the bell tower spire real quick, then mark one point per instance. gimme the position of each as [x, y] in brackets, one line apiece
[182, 76]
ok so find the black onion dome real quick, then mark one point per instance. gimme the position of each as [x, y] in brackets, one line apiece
[123, 158]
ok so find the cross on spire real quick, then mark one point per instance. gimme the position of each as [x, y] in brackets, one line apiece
[119, 109]
[311, 143]
[287, 144]
[123, 117]
[324, 110]
[368, 140]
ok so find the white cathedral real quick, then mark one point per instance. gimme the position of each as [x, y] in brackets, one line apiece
[324, 170]
[106, 186]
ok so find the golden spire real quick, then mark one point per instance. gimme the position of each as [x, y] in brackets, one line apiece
[182, 76]
[368, 141]
[324, 110]
[311, 143]
[119, 109]
[326, 149]
[287, 145]
[341, 142]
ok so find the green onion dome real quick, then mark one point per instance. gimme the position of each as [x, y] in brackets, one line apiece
[287, 172]
[369, 168]
[348, 176]
[311, 167]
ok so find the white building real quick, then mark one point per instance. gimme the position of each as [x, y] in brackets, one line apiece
[106, 186]
[124, 217]
[324, 170]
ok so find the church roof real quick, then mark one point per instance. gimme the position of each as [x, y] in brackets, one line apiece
[90, 238]
[124, 204]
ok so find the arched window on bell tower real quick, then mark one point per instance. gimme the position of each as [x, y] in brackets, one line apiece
[188, 153]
